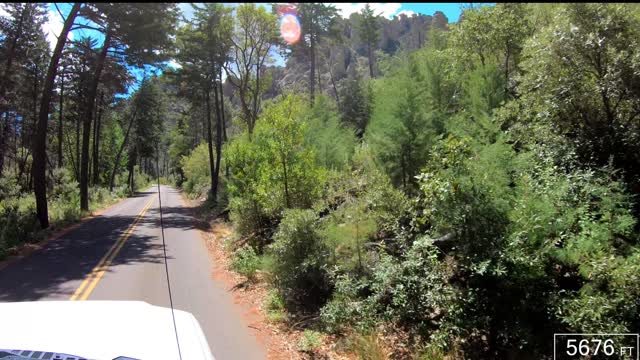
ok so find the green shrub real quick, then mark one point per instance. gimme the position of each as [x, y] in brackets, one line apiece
[272, 170]
[332, 142]
[18, 222]
[367, 346]
[142, 180]
[275, 307]
[197, 171]
[246, 262]
[349, 307]
[299, 255]
[311, 341]
[8, 186]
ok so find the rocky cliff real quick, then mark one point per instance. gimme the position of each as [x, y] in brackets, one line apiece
[339, 57]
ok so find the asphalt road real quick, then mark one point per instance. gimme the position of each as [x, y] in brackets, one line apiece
[126, 242]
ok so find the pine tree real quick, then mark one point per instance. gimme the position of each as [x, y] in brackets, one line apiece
[402, 143]
[369, 29]
[356, 103]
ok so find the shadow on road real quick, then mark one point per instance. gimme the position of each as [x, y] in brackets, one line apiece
[55, 271]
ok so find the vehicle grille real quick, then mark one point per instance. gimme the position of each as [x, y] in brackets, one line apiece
[28, 354]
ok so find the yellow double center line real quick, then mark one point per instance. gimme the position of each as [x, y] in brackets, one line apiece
[90, 282]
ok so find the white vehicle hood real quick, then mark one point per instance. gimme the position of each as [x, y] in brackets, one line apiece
[101, 330]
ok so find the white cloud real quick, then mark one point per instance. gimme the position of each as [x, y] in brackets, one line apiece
[387, 10]
[52, 28]
[408, 13]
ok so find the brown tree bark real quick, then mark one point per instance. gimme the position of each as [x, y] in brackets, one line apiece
[4, 132]
[40, 138]
[370, 54]
[60, 125]
[224, 122]
[77, 167]
[210, 142]
[86, 132]
[124, 143]
[218, 144]
[96, 141]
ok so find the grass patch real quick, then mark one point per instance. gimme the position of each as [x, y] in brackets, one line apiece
[366, 346]
[275, 307]
[310, 342]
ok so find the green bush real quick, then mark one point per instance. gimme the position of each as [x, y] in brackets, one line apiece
[8, 186]
[142, 180]
[349, 307]
[197, 172]
[272, 170]
[332, 142]
[246, 262]
[275, 307]
[299, 255]
[311, 341]
[367, 346]
[18, 222]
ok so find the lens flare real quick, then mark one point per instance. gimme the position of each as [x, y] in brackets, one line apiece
[290, 28]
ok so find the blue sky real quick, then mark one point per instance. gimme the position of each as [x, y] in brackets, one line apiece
[451, 10]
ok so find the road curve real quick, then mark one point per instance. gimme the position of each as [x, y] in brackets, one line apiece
[125, 241]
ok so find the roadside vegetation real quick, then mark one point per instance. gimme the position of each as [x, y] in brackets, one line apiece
[476, 196]
[464, 193]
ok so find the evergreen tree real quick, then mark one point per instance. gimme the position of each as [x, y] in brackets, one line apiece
[356, 103]
[369, 29]
[402, 143]
[316, 21]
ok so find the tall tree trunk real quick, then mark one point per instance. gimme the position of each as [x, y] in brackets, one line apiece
[15, 142]
[312, 75]
[256, 99]
[370, 54]
[132, 163]
[124, 143]
[96, 141]
[333, 81]
[88, 112]
[70, 149]
[224, 122]
[285, 181]
[27, 134]
[4, 127]
[40, 138]
[218, 144]
[319, 77]
[77, 167]
[60, 125]
[210, 143]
